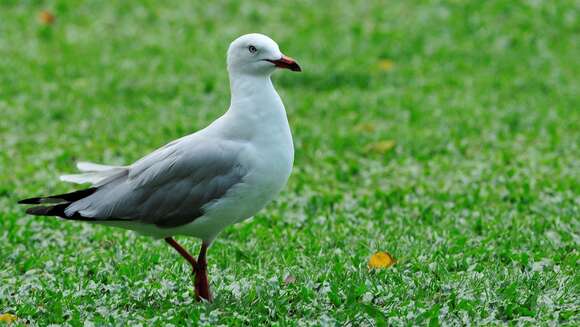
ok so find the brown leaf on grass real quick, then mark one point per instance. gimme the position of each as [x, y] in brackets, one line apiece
[290, 279]
[46, 17]
[381, 260]
[8, 318]
[381, 147]
[386, 65]
[365, 127]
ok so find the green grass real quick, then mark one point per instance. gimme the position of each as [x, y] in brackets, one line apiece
[479, 200]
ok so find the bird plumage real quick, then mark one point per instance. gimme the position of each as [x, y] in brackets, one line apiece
[201, 183]
[219, 175]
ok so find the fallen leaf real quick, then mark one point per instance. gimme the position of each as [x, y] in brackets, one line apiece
[289, 280]
[8, 318]
[365, 127]
[46, 17]
[381, 260]
[386, 65]
[381, 147]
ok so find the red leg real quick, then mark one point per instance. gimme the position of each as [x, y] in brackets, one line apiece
[182, 251]
[199, 268]
[202, 290]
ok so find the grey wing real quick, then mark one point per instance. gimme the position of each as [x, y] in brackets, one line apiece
[169, 187]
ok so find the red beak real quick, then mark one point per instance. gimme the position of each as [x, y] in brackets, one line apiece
[286, 62]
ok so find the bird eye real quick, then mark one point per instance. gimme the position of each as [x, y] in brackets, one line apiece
[252, 49]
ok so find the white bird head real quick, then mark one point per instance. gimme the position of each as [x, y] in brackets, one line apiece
[257, 54]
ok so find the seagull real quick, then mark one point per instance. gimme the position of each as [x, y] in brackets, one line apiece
[203, 182]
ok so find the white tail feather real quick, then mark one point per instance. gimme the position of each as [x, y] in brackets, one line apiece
[93, 167]
[82, 178]
[94, 174]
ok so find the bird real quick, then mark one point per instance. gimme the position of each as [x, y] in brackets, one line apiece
[202, 182]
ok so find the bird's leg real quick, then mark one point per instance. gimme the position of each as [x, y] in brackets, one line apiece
[201, 282]
[182, 251]
[199, 268]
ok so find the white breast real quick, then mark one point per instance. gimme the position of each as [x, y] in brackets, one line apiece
[269, 159]
[262, 126]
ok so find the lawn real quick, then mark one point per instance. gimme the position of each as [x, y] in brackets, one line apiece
[444, 132]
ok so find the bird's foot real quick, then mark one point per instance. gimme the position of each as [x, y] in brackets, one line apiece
[199, 267]
[202, 290]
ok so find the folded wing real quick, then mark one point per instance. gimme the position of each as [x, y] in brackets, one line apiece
[168, 188]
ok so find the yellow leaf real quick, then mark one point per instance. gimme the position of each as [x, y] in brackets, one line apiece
[381, 147]
[386, 65]
[381, 260]
[46, 17]
[365, 127]
[8, 318]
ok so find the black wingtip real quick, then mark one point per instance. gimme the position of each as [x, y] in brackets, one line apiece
[30, 201]
[59, 211]
[38, 211]
[56, 210]
[66, 197]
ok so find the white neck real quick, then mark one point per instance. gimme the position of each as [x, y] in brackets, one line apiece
[245, 87]
[256, 110]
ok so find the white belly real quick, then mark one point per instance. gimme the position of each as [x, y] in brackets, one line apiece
[269, 172]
